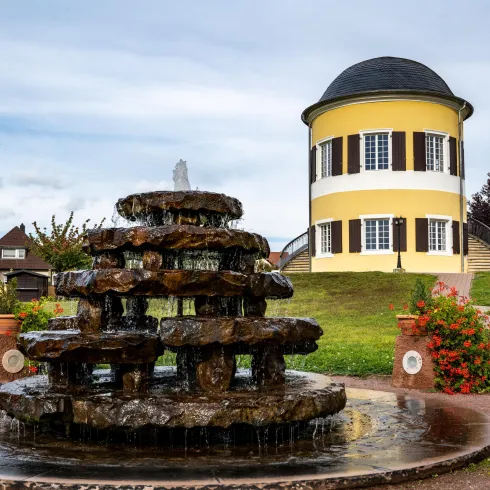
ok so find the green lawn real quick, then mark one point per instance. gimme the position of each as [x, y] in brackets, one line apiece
[480, 290]
[352, 309]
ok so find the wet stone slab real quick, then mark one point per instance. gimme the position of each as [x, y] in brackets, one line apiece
[75, 347]
[184, 237]
[181, 207]
[195, 331]
[182, 283]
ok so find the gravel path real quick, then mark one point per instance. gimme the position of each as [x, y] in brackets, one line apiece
[475, 477]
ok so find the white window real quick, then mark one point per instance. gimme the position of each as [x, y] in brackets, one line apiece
[12, 253]
[323, 240]
[376, 154]
[377, 236]
[436, 151]
[440, 238]
[324, 158]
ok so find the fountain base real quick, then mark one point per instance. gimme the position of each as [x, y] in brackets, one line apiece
[379, 438]
[164, 405]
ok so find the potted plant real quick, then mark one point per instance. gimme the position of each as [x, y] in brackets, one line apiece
[9, 304]
[415, 322]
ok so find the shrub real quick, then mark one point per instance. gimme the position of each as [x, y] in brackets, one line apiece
[420, 299]
[459, 344]
[34, 316]
[8, 298]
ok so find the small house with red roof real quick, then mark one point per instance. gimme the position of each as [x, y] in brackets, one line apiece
[16, 260]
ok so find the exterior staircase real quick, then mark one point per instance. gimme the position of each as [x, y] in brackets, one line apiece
[294, 256]
[299, 263]
[478, 255]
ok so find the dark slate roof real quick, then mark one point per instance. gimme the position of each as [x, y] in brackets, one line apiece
[386, 73]
[17, 238]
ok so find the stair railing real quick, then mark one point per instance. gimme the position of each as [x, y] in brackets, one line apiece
[293, 248]
[479, 230]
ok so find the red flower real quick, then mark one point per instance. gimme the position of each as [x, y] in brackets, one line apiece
[33, 369]
[467, 343]
[22, 314]
[8, 333]
[405, 307]
[391, 306]
[421, 304]
[477, 361]
[448, 390]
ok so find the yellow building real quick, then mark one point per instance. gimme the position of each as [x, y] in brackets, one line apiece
[386, 140]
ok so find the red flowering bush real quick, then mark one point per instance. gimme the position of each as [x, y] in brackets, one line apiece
[459, 343]
[34, 315]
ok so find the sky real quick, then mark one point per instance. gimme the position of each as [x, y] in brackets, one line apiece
[100, 99]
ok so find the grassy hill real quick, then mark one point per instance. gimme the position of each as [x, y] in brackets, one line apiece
[353, 310]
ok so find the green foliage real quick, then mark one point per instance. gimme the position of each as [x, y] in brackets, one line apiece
[420, 298]
[8, 298]
[459, 345]
[480, 289]
[480, 204]
[359, 331]
[62, 246]
[35, 315]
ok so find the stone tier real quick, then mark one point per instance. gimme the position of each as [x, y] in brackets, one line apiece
[180, 207]
[173, 237]
[72, 346]
[199, 332]
[302, 399]
[180, 283]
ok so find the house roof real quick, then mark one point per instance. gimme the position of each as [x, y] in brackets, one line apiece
[389, 75]
[17, 238]
[23, 271]
[274, 258]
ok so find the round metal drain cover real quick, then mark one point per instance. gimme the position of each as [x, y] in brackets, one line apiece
[13, 361]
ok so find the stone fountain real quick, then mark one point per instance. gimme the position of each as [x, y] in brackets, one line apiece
[187, 251]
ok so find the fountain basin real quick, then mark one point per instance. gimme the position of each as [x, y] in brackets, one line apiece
[379, 438]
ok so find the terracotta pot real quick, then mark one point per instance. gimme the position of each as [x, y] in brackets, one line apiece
[8, 323]
[408, 325]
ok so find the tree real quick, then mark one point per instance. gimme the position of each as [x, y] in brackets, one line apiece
[62, 246]
[480, 204]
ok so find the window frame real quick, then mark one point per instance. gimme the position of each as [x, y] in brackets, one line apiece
[445, 149]
[318, 162]
[370, 132]
[449, 234]
[318, 238]
[367, 217]
[16, 254]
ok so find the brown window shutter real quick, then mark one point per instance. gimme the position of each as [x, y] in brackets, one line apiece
[419, 152]
[462, 170]
[403, 236]
[313, 240]
[313, 165]
[337, 156]
[453, 159]
[456, 245]
[336, 229]
[421, 234]
[465, 239]
[355, 235]
[398, 151]
[353, 157]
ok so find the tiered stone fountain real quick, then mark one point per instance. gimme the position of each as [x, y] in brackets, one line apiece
[187, 251]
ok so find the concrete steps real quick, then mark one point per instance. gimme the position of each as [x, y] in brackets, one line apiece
[300, 263]
[478, 255]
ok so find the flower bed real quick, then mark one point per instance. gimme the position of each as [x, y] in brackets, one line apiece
[459, 343]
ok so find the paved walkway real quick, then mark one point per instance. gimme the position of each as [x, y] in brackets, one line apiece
[462, 282]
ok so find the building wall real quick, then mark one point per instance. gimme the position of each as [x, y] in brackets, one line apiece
[411, 194]
[400, 115]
